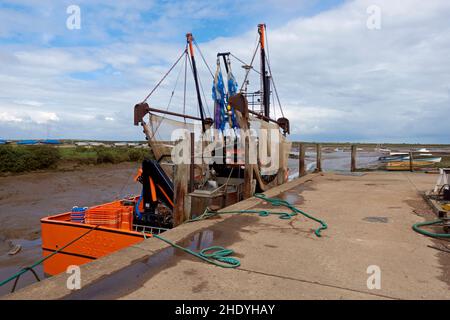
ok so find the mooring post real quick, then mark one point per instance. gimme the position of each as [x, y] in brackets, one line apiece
[411, 167]
[318, 157]
[353, 161]
[192, 162]
[180, 190]
[301, 160]
[248, 171]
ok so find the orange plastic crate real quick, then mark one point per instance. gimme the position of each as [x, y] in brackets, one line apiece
[110, 215]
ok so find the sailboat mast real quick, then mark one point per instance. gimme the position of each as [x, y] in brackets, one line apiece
[265, 79]
[197, 88]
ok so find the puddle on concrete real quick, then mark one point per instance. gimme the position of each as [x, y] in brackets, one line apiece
[376, 219]
[134, 276]
[293, 196]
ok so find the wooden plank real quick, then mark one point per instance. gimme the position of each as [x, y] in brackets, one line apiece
[318, 158]
[353, 160]
[248, 171]
[301, 160]
[180, 191]
[411, 167]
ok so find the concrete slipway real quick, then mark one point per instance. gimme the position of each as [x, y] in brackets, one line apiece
[369, 218]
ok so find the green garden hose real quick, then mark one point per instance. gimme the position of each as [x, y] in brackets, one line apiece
[216, 255]
[416, 228]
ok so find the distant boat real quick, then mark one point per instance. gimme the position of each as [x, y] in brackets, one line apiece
[416, 163]
[404, 157]
[381, 150]
[81, 144]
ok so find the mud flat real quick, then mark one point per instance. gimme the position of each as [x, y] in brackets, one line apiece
[369, 217]
[26, 198]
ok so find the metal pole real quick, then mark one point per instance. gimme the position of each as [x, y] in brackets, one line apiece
[265, 87]
[192, 164]
[197, 87]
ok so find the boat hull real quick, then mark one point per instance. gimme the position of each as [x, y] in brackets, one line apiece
[94, 242]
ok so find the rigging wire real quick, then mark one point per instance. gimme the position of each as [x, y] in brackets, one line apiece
[185, 82]
[251, 65]
[244, 64]
[204, 97]
[203, 58]
[271, 75]
[165, 75]
[192, 69]
[170, 100]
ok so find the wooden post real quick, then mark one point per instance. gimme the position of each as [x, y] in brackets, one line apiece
[192, 164]
[301, 160]
[180, 190]
[248, 171]
[411, 167]
[353, 161]
[318, 158]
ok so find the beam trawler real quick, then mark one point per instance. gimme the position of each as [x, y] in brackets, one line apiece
[174, 192]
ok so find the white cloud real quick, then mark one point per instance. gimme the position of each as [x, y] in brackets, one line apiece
[8, 117]
[337, 79]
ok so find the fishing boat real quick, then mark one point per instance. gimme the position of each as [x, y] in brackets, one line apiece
[406, 165]
[84, 234]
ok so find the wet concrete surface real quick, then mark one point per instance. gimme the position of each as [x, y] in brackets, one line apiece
[133, 277]
[26, 198]
[283, 259]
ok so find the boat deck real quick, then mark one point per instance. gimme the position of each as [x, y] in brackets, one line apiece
[369, 217]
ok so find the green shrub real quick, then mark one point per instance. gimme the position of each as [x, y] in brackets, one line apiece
[27, 158]
[136, 155]
[106, 156]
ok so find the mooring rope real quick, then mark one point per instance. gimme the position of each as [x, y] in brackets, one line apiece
[24, 270]
[220, 256]
[264, 213]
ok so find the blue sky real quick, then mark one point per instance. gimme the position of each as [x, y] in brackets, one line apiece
[338, 79]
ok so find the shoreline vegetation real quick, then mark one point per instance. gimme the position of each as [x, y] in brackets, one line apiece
[17, 159]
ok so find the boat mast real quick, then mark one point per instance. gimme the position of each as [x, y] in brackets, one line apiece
[265, 78]
[194, 71]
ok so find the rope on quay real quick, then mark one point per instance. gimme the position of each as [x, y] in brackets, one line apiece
[220, 256]
[276, 202]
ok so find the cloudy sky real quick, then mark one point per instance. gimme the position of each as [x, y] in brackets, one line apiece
[342, 74]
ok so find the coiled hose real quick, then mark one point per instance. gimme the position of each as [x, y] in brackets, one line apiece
[417, 228]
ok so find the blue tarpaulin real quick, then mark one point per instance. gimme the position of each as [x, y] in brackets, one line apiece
[51, 141]
[28, 142]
